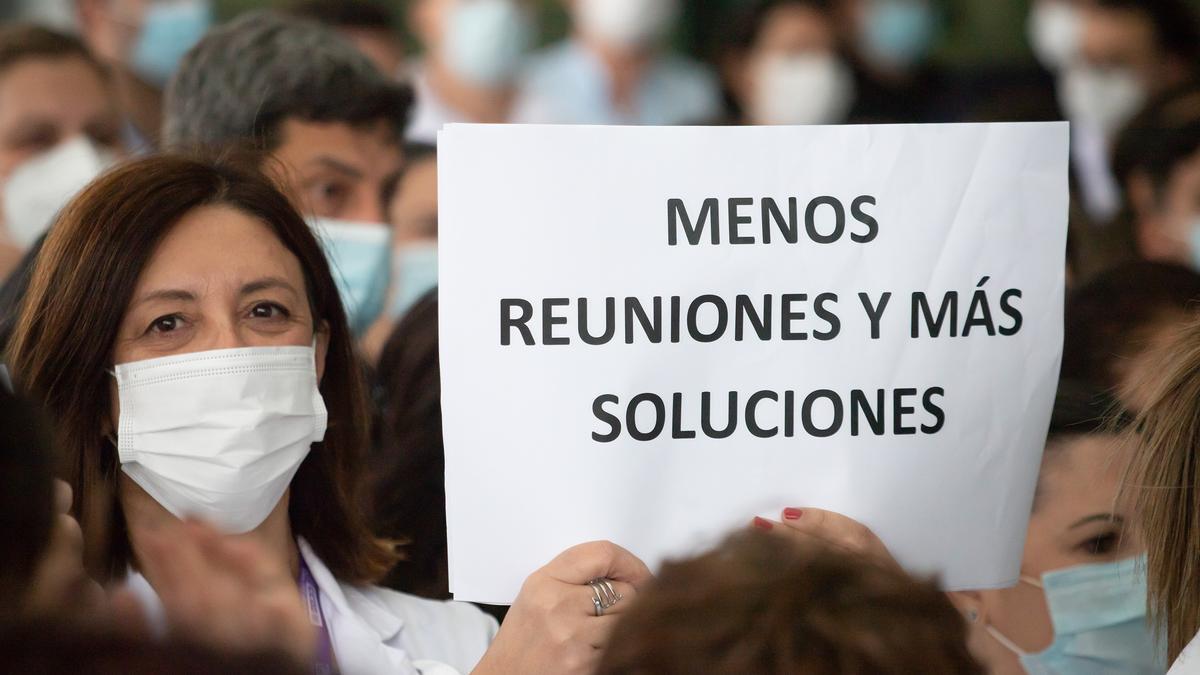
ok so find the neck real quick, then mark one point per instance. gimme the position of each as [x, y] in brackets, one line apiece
[625, 68]
[477, 104]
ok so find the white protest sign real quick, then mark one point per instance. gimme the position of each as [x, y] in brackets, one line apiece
[650, 335]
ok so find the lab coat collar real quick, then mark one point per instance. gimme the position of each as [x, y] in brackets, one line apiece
[350, 601]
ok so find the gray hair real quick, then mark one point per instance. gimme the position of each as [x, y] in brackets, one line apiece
[238, 85]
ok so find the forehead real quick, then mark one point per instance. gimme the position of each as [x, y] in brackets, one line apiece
[213, 247]
[1113, 29]
[1081, 473]
[67, 88]
[372, 149]
[795, 26]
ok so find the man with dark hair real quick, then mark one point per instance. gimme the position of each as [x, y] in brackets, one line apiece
[370, 26]
[59, 127]
[295, 89]
[1156, 162]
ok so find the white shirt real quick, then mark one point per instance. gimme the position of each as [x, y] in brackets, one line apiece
[1188, 662]
[566, 84]
[377, 630]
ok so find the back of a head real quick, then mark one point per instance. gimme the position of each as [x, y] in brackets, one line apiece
[761, 604]
[238, 85]
[1108, 317]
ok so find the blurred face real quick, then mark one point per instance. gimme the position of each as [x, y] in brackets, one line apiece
[219, 280]
[414, 208]
[44, 102]
[1076, 521]
[1166, 219]
[339, 171]
[1125, 40]
[429, 19]
[111, 27]
[789, 30]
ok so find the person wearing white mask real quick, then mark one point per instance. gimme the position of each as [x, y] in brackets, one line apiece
[142, 42]
[785, 65]
[213, 376]
[472, 52]
[1053, 30]
[327, 119]
[614, 69]
[1080, 604]
[1130, 51]
[59, 128]
[890, 42]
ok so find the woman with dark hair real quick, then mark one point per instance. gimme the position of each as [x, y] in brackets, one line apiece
[183, 328]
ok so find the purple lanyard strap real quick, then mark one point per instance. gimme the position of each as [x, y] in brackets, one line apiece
[325, 663]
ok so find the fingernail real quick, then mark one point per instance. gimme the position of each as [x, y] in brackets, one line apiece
[792, 514]
[763, 524]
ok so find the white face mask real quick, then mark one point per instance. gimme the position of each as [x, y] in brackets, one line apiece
[40, 187]
[486, 40]
[1103, 99]
[805, 89]
[1054, 28]
[627, 23]
[219, 435]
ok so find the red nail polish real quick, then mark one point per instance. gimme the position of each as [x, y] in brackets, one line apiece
[792, 514]
[763, 524]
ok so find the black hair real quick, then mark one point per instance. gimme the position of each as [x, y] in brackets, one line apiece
[1174, 21]
[26, 495]
[749, 19]
[349, 14]
[1164, 134]
[1106, 317]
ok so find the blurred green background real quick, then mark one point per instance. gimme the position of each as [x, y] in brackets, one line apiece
[976, 30]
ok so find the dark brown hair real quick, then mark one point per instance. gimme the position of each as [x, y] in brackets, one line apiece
[22, 41]
[61, 351]
[760, 604]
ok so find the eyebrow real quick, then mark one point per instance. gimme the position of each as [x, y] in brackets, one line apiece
[267, 283]
[167, 294]
[339, 166]
[1098, 517]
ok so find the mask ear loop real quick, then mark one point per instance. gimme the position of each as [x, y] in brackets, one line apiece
[1001, 637]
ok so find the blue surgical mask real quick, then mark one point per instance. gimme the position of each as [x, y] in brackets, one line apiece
[486, 41]
[1100, 626]
[360, 256]
[169, 29]
[898, 33]
[415, 273]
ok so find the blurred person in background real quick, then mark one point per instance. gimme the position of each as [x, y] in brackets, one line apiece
[615, 69]
[413, 213]
[318, 108]
[1053, 31]
[1118, 323]
[770, 606]
[1080, 605]
[472, 53]
[784, 64]
[369, 26]
[1129, 52]
[890, 41]
[142, 42]
[1156, 162]
[59, 128]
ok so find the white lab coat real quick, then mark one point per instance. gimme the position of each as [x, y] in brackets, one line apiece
[380, 631]
[1188, 662]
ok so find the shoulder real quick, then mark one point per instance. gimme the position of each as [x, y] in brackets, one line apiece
[1188, 662]
[451, 632]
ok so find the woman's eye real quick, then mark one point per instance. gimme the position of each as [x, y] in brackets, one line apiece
[1102, 545]
[268, 310]
[165, 324]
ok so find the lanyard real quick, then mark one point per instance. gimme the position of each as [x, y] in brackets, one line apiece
[324, 664]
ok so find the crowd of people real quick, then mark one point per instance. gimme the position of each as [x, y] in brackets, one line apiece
[220, 425]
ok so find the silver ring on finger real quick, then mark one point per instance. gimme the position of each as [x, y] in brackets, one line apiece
[604, 596]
